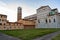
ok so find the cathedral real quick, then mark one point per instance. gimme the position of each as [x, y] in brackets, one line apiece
[45, 17]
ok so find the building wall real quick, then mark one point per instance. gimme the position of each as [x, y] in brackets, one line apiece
[42, 16]
[53, 23]
[58, 20]
[11, 26]
[27, 22]
[29, 26]
[3, 19]
[31, 17]
[21, 24]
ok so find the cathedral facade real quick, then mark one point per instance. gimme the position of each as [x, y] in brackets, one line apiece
[47, 17]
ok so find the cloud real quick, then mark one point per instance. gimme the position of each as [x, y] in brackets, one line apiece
[6, 11]
[11, 10]
[25, 8]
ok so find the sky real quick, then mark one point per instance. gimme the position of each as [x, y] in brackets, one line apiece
[9, 7]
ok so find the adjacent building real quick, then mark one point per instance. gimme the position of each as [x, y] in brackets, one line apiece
[19, 24]
[31, 17]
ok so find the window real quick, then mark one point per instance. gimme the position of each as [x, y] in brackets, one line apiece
[10, 26]
[4, 23]
[54, 20]
[9, 23]
[49, 21]
[0, 19]
[56, 12]
[17, 24]
[38, 21]
[18, 27]
[4, 27]
[14, 27]
[5, 16]
[43, 8]
[0, 23]
[46, 20]
[1, 16]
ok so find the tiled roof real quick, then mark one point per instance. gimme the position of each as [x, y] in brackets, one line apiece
[3, 15]
[14, 22]
[28, 20]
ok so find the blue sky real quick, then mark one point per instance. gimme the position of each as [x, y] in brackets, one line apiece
[9, 7]
[35, 3]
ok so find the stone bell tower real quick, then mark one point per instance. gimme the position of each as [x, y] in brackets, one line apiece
[19, 14]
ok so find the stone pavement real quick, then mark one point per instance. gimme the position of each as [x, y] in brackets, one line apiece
[48, 36]
[45, 37]
[6, 37]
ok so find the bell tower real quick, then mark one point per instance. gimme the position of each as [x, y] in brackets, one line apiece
[19, 14]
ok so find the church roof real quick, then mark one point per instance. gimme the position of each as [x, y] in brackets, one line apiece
[54, 9]
[43, 7]
[3, 15]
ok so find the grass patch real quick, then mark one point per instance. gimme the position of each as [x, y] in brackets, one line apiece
[28, 34]
[57, 37]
